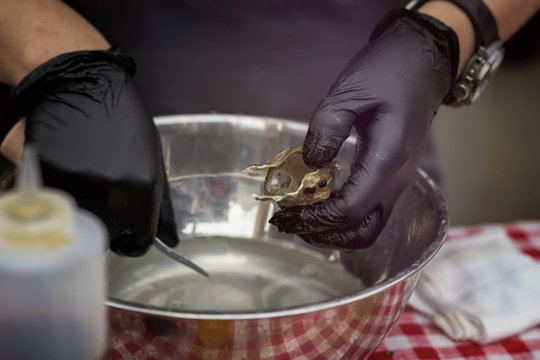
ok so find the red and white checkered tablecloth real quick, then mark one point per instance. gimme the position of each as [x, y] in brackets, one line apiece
[414, 337]
[347, 332]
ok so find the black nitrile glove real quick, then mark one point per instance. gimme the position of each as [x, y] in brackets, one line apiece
[389, 92]
[96, 140]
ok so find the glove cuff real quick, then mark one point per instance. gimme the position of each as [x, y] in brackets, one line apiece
[444, 38]
[55, 71]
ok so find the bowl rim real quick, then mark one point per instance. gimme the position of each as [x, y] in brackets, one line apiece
[262, 123]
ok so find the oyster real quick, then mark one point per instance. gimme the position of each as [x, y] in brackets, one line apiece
[290, 182]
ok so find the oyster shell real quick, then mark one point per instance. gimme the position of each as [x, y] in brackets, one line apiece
[290, 182]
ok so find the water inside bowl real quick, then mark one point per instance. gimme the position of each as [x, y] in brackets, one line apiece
[248, 273]
[245, 275]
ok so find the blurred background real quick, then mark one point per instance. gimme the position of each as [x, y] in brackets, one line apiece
[490, 151]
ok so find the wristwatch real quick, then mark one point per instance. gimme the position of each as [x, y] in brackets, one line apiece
[487, 58]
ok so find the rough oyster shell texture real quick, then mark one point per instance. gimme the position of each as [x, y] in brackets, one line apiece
[290, 182]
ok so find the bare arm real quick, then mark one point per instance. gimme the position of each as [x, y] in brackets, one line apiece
[510, 16]
[34, 31]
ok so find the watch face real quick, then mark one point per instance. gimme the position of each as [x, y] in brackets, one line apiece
[495, 60]
[492, 64]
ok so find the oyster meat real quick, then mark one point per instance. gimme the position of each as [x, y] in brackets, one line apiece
[290, 182]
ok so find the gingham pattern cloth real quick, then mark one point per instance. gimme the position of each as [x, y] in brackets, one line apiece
[336, 334]
[414, 336]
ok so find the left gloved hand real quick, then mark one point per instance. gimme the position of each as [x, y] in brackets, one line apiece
[96, 140]
[389, 92]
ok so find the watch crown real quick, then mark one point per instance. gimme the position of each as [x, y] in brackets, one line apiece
[461, 91]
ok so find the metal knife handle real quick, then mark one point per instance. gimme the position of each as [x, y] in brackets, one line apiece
[161, 246]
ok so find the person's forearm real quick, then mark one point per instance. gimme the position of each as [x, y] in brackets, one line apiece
[34, 31]
[510, 16]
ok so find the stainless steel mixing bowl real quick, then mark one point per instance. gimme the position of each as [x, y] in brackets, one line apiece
[269, 295]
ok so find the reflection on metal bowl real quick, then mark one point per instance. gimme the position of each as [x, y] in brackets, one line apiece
[269, 294]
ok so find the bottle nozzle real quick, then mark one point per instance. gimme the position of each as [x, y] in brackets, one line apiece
[28, 187]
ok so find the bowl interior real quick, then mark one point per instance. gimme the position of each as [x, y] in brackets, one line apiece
[254, 268]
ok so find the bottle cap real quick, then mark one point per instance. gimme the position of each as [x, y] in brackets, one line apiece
[34, 218]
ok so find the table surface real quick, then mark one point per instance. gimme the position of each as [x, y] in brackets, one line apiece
[414, 337]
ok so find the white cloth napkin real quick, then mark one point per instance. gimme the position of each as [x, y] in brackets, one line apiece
[480, 288]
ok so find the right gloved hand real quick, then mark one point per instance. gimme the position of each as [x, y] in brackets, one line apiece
[96, 140]
[389, 93]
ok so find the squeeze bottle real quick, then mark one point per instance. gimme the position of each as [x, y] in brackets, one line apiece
[52, 282]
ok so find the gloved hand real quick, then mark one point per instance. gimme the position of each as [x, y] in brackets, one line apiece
[389, 92]
[96, 140]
